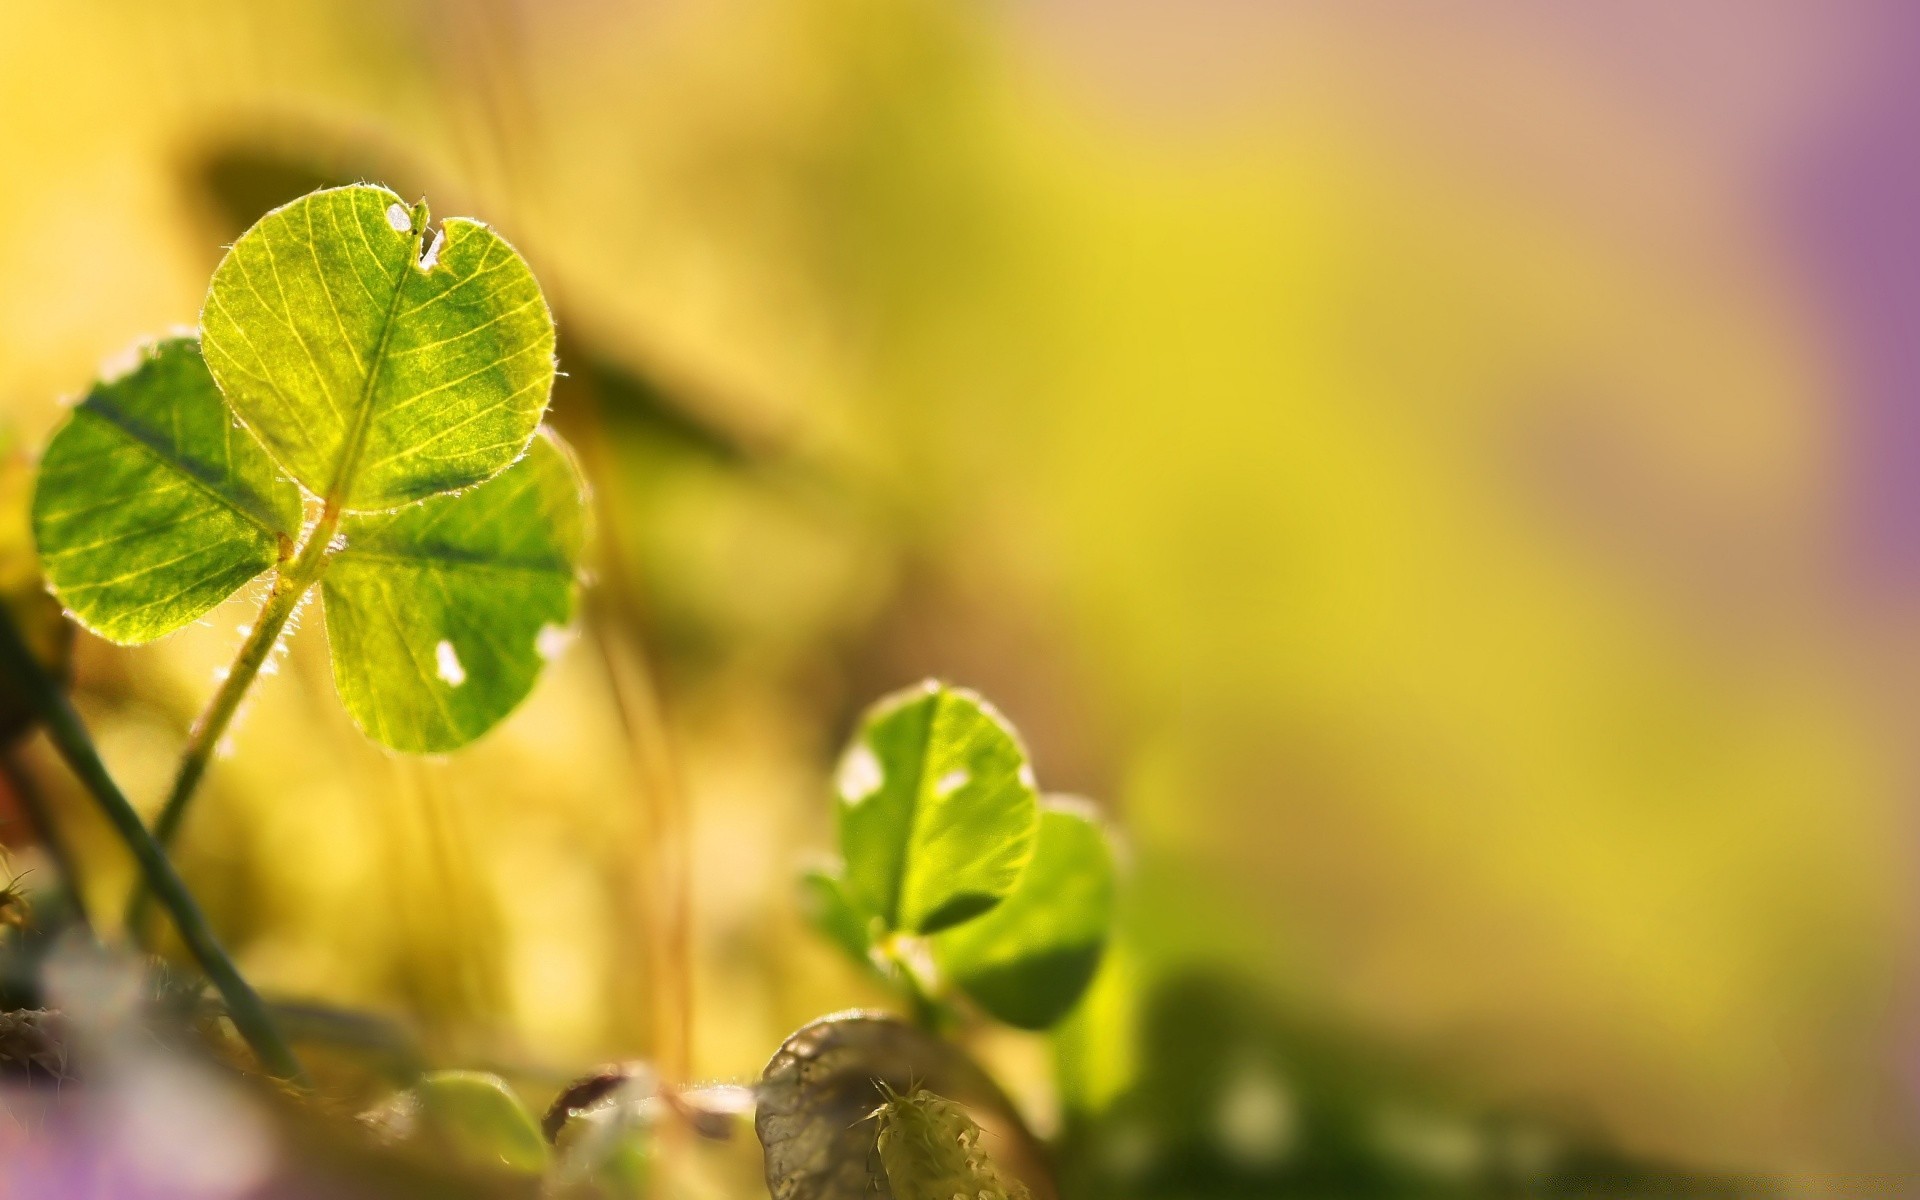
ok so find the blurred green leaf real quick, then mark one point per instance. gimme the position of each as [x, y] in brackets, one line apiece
[374, 376]
[152, 506]
[937, 808]
[835, 914]
[441, 614]
[1239, 1093]
[1030, 959]
[477, 1117]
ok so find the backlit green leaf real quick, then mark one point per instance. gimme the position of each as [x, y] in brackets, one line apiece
[937, 808]
[375, 373]
[441, 614]
[152, 506]
[827, 906]
[1029, 960]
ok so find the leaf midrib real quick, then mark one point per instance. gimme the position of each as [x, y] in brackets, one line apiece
[153, 444]
[342, 482]
[919, 806]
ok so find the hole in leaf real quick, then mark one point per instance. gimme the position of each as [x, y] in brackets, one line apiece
[860, 774]
[447, 662]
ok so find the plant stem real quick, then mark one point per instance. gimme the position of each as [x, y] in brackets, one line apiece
[70, 737]
[929, 1013]
[289, 587]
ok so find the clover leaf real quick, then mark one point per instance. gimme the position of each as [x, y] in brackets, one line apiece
[151, 506]
[1030, 959]
[942, 835]
[374, 373]
[937, 809]
[400, 389]
[475, 1117]
[441, 614]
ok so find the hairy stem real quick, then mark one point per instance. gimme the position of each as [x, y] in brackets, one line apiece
[70, 737]
[289, 588]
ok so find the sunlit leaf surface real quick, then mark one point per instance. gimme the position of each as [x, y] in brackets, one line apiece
[378, 362]
[152, 505]
[937, 808]
[1029, 959]
[441, 614]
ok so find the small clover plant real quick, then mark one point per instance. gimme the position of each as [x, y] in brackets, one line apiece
[356, 414]
[950, 854]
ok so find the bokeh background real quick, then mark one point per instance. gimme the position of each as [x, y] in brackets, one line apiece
[1445, 478]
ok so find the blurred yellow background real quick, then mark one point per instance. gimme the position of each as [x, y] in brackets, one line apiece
[1395, 462]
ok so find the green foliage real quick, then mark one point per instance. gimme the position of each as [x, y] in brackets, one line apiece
[930, 1150]
[374, 374]
[401, 389]
[824, 900]
[1029, 960]
[426, 600]
[1231, 1091]
[937, 809]
[943, 834]
[152, 507]
[477, 1118]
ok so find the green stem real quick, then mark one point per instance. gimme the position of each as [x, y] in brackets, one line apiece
[929, 1011]
[70, 737]
[289, 588]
